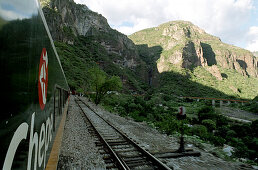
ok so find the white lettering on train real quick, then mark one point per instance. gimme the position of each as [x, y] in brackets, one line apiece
[38, 144]
[33, 142]
[19, 135]
[41, 143]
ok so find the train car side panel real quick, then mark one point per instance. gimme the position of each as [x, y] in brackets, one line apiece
[31, 75]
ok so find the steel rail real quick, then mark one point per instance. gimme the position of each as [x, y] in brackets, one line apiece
[150, 157]
[118, 161]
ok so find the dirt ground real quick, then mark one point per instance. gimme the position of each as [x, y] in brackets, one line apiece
[238, 114]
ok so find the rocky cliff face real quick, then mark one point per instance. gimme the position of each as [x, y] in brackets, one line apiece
[67, 21]
[84, 39]
[187, 46]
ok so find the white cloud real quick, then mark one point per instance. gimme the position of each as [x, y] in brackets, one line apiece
[17, 9]
[223, 18]
[252, 37]
[10, 15]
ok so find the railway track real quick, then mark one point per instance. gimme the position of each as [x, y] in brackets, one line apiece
[119, 151]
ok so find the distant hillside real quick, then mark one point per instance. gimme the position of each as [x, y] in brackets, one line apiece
[188, 46]
[183, 48]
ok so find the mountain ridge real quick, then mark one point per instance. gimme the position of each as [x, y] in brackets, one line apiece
[83, 36]
[84, 39]
[73, 20]
[189, 46]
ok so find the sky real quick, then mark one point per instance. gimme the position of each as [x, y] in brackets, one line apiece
[233, 21]
[17, 9]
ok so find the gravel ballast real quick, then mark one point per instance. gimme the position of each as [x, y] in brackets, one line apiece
[78, 150]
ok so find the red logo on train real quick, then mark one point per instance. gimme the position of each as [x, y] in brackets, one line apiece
[43, 78]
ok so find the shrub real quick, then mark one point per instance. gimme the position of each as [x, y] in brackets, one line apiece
[254, 147]
[167, 97]
[203, 116]
[241, 148]
[254, 127]
[221, 131]
[217, 140]
[132, 107]
[253, 155]
[200, 130]
[157, 117]
[210, 124]
[207, 112]
[135, 115]
[206, 109]
[143, 113]
[168, 125]
[230, 134]
[111, 100]
[121, 111]
[194, 120]
[242, 130]
[221, 120]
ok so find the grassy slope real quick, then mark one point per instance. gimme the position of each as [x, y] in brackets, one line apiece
[234, 85]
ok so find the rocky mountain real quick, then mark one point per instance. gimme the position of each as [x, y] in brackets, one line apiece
[68, 20]
[84, 39]
[187, 46]
[183, 59]
[174, 58]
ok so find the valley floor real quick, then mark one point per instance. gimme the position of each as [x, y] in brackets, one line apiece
[78, 151]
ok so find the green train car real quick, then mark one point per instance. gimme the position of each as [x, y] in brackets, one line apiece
[33, 87]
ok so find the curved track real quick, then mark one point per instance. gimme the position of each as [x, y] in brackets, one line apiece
[119, 151]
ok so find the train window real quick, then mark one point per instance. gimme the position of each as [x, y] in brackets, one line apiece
[60, 97]
[60, 102]
[63, 100]
[64, 97]
[55, 109]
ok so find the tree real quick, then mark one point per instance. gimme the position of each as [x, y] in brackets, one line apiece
[101, 83]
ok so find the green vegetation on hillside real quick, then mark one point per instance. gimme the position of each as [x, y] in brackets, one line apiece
[164, 44]
[198, 82]
[160, 111]
[94, 62]
[233, 83]
[86, 53]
